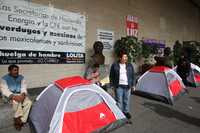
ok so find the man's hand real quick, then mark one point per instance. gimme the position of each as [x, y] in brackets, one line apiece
[132, 90]
[19, 98]
[96, 74]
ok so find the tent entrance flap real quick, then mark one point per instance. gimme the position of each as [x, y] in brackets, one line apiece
[86, 111]
[88, 120]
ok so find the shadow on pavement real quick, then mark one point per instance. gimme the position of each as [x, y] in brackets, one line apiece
[170, 112]
[196, 99]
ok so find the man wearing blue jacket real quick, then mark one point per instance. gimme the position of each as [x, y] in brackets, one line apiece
[14, 87]
[122, 80]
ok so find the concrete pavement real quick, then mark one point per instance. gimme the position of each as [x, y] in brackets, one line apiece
[154, 117]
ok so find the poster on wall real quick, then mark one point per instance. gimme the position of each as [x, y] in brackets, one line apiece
[131, 26]
[106, 37]
[160, 44]
[35, 34]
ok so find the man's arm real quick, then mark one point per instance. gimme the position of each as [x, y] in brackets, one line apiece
[4, 89]
[111, 76]
[23, 87]
[133, 75]
[88, 73]
[23, 91]
[6, 92]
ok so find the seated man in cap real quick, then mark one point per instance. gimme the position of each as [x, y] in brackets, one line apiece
[13, 86]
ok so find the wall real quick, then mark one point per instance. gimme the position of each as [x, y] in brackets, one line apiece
[169, 20]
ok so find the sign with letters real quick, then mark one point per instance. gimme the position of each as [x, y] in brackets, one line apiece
[106, 37]
[132, 26]
[35, 34]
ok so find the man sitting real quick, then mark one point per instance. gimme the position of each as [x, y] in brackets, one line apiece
[13, 86]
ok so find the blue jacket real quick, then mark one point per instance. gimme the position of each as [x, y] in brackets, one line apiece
[114, 74]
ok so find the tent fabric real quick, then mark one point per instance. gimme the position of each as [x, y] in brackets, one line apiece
[62, 104]
[83, 99]
[145, 84]
[197, 77]
[194, 76]
[84, 107]
[159, 69]
[175, 87]
[43, 109]
[70, 82]
[88, 120]
[160, 83]
[195, 67]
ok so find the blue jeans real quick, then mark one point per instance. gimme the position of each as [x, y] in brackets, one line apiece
[122, 97]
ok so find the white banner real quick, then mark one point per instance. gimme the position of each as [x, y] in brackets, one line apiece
[106, 37]
[33, 27]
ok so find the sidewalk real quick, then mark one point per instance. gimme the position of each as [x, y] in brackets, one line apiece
[6, 113]
[154, 117]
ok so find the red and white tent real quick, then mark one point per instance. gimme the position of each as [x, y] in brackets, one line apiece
[74, 105]
[194, 76]
[160, 83]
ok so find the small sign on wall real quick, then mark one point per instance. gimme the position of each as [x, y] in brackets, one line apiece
[132, 26]
[106, 37]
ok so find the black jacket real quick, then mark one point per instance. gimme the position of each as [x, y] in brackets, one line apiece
[183, 67]
[114, 75]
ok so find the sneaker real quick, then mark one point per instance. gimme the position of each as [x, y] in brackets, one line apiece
[18, 123]
[128, 115]
[129, 122]
[187, 91]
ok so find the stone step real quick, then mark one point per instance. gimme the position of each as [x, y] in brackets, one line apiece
[6, 112]
[11, 129]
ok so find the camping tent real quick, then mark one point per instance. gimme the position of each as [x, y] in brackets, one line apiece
[194, 76]
[160, 83]
[74, 105]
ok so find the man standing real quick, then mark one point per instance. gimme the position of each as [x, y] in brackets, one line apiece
[122, 80]
[13, 86]
[183, 69]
